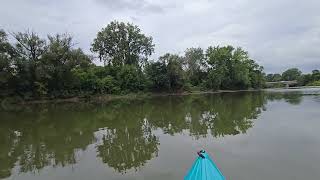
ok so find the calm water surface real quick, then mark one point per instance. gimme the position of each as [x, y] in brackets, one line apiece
[251, 135]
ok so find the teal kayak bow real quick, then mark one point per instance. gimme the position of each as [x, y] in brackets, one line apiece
[204, 169]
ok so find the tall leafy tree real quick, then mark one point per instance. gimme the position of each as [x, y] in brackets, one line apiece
[194, 60]
[157, 76]
[217, 59]
[58, 61]
[30, 48]
[30, 45]
[310, 79]
[256, 75]
[231, 68]
[7, 55]
[291, 74]
[316, 75]
[175, 71]
[167, 74]
[122, 43]
[273, 77]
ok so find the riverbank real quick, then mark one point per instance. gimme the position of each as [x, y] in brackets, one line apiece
[104, 98]
[109, 97]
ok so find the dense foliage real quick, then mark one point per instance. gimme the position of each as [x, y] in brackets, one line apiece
[35, 67]
[294, 74]
[230, 68]
[121, 43]
[291, 74]
[312, 79]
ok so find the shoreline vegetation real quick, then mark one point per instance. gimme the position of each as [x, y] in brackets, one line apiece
[133, 96]
[111, 97]
[34, 69]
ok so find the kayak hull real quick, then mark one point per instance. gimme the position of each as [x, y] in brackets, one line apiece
[204, 169]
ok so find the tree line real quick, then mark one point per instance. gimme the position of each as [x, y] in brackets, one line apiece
[294, 74]
[36, 67]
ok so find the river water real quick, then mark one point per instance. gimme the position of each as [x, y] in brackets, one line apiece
[264, 135]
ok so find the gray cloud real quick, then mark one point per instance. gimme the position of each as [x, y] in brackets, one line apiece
[278, 34]
[136, 6]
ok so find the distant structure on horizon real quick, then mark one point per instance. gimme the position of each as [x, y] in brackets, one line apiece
[286, 83]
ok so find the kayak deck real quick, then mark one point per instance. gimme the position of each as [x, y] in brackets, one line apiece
[204, 168]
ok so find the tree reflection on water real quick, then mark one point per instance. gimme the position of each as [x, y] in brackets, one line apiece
[38, 137]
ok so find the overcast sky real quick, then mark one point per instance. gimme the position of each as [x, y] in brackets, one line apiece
[277, 33]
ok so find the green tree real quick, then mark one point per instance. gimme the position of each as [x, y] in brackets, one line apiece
[315, 75]
[277, 77]
[86, 80]
[108, 85]
[269, 77]
[96, 79]
[175, 71]
[122, 43]
[7, 55]
[256, 74]
[29, 45]
[304, 79]
[217, 60]
[167, 74]
[30, 48]
[157, 76]
[273, 77]
[231, 68]
[309, 79]
[35, 67]
[194, 59]
[291, 74]
[58, 61]
[131, 79]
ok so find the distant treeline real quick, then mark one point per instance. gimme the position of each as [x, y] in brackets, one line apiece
[35, 67]
[294, 74]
